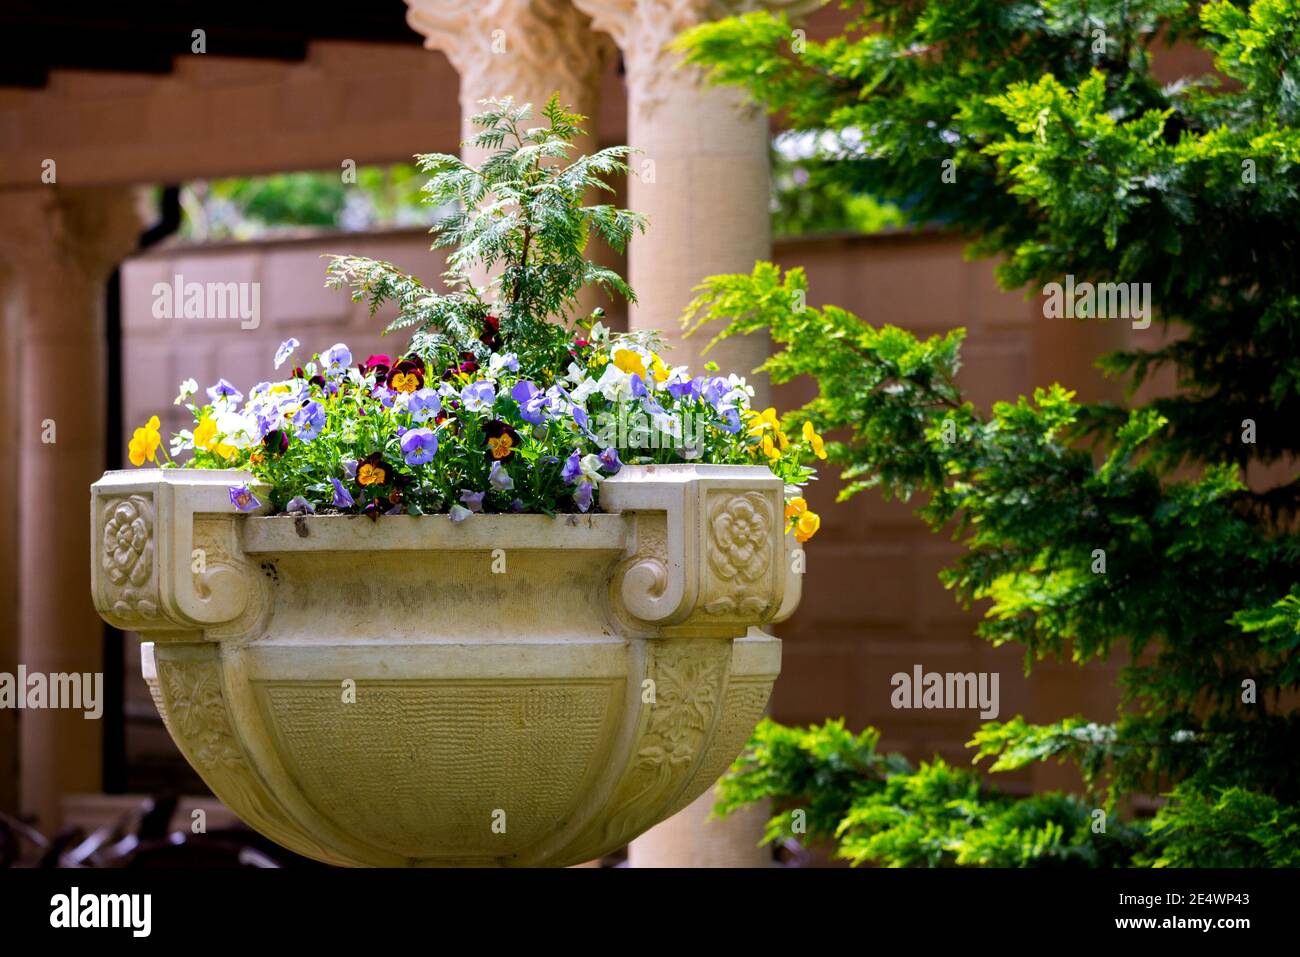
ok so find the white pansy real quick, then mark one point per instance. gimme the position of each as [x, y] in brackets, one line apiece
[668, 424]
[590, 465]
[182, 441]
[236, 429]
[576, 374]
[615, 384]
[188, 388]
[584, 390]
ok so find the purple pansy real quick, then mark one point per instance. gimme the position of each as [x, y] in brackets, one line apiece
[423, 405]
[283, 353]
[610, 461]
[472, 500]
[715, 390]
[337, 358]
[730, 419]
[582, 497]
[532, 401]
[419, 446]
[687, 388]
[342, 497]
[309, 420]
[458, 513]
[224, 390]
[478, 396]
[500, 479]
[242, 497]
[572, 468]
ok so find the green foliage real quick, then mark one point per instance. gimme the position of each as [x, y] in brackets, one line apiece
[248, 206]
[522, 209]
[1090, 529]
[828, 784]
[808, 199]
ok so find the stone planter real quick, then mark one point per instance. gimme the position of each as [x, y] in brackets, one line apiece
[513, 689]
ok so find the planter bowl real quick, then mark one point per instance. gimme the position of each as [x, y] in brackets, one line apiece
[509, 690]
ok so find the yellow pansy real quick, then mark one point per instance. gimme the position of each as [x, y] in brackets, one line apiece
[630, 362]
[369, 474]
[405, 382]
[205, 437]
[144, 443]
[769, 448]
[795, 507]
[806, 525]
[500, 446]
[660, 370]
[814, 440]
[761, 421]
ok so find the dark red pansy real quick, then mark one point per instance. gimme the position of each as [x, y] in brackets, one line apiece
[377, 366]
[491, 336]
[276, 442]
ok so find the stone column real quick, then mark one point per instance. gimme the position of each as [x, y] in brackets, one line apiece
[526, 49]
[59, 247]
[703, 175]
[703, 180]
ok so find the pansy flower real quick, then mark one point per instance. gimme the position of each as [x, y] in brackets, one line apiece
[572, 468]
[188, 388]
[342, 497]
[309, 420]
[502, 362]
[144, 443]
[502, 439]
[223, 391]
[423, 405]
[500, 479]
[478, 396]
[242, 497]
[610, 461]
[337, 359]
[419, 446]
[532, 401]
[472, 500]
[815, 441]
[582, 496]
[276, 442]
[372, 470]
[491, 336]
[283, 353]
[407, 375]
[377, 366]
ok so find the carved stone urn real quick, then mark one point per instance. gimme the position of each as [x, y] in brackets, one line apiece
[508, 690]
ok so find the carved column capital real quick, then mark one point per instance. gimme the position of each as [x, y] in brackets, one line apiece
[644, 28]
[521, 48]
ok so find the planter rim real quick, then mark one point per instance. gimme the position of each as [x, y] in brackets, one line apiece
[601, 531]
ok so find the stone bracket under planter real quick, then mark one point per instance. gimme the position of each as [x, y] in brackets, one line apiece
[601, 682]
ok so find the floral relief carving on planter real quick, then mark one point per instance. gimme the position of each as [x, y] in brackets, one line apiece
[126, 556]
[476, 698]
[740, 553]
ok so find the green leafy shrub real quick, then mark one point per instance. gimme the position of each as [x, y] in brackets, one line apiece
[1092, 529]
